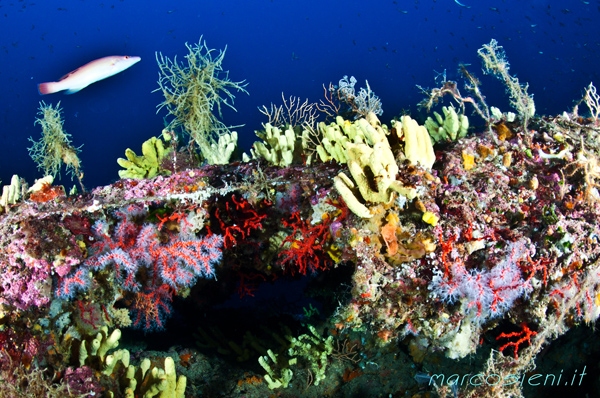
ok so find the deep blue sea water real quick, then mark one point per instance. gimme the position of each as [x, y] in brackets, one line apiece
[277, 46]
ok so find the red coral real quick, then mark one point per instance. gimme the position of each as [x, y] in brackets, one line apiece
[177, 262]
[174, 217]
[148, 265]
[525, 334]
[245, 287]
[239, 220]
[446, 248]
[90, 314]
[182, 260]
[491, 291]
[534, 266]
[151, 308]
[69, 285]
[306, 245]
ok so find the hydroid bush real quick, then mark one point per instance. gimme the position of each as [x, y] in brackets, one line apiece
[54, 148]
[495, 63]
[194, 92]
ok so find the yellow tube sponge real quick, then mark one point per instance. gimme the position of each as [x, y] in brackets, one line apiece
[448, 128]
[280, 147]
[11, 194]
[220, 152]
[374, 169]
[346, 188]
[146, 166]
[159, 383]
[335, 137]
[417, 143]
[273, 379]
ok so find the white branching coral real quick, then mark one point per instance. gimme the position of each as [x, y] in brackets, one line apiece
[364, 102]
[592, 100]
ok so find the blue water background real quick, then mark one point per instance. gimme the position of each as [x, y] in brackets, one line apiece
[278, 46]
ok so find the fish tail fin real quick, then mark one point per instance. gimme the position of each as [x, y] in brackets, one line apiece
[48, 88]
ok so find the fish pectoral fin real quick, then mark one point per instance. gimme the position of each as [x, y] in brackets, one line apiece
[75, 89]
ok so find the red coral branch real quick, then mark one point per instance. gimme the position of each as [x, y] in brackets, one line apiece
[446, 248]
[180, 261]
[88, 315]
[239, 221]
[526, 334]
[245, 287]
[68, 286]
[151, 308]
[177, 217]
[305, 245]
[534, 266]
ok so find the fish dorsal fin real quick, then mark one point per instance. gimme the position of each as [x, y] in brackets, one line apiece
[69, 74]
